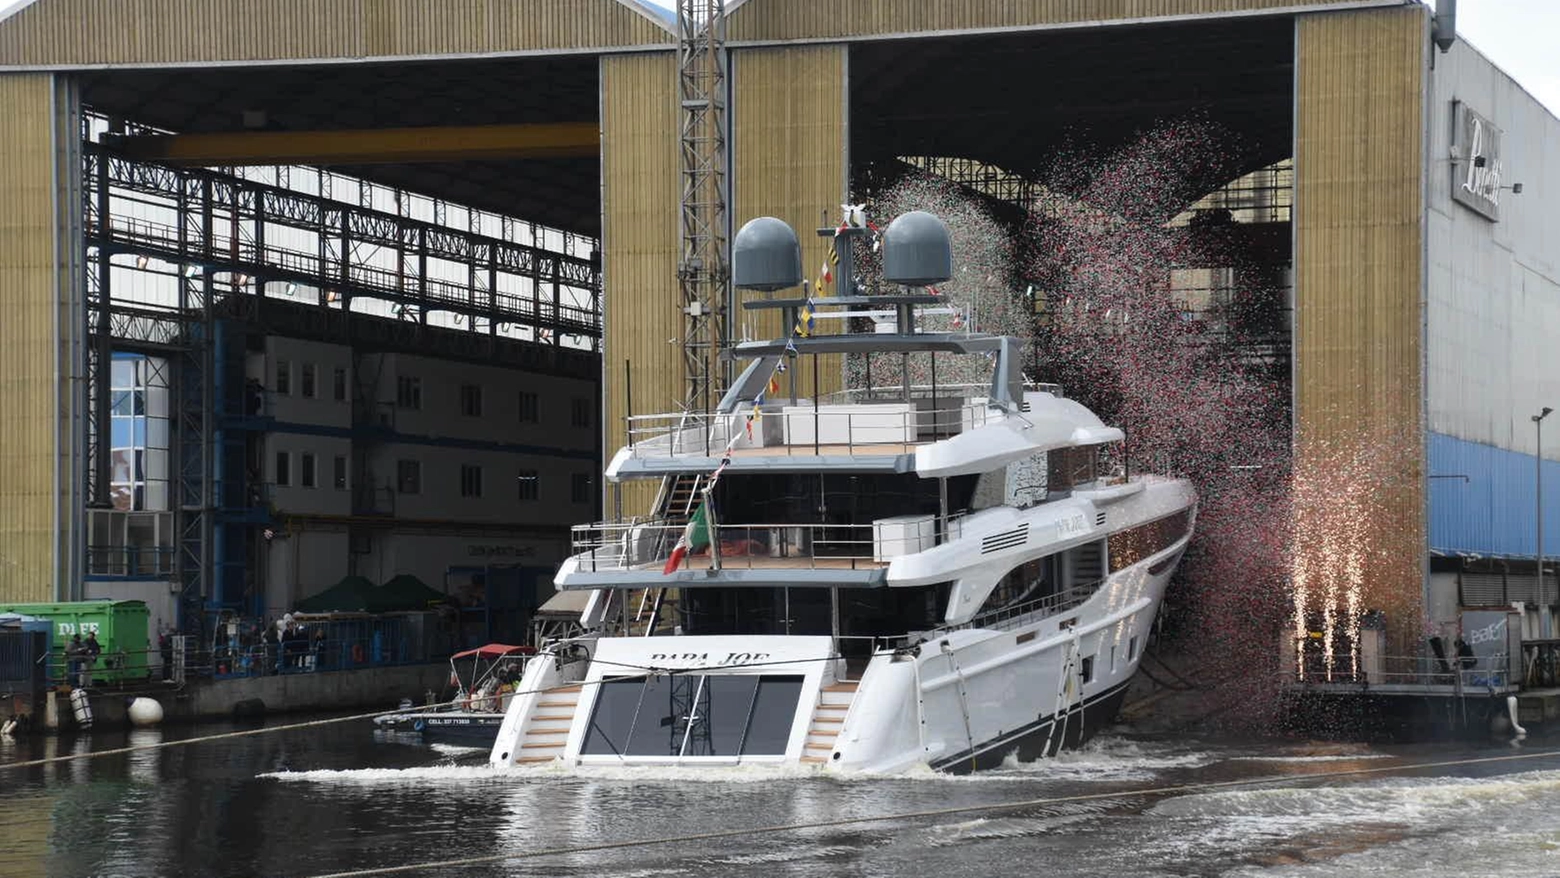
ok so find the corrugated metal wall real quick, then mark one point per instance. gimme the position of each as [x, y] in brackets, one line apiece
[28, 349]
[1493, 512]
[766, 20]
[65, 32]
[1359, 146]
[788, 142]
[640, 172]
[1493, 287]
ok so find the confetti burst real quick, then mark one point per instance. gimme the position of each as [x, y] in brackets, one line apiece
[1274, 549]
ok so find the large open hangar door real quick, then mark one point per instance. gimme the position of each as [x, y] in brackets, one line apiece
[1022, 121]
[353, 328]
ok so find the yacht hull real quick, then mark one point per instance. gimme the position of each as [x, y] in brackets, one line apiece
[1043, 739]
[959, 700]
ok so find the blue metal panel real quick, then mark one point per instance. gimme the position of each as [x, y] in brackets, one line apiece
[1492, 513]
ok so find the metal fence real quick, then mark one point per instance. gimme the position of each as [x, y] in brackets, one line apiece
[326, 645]
[1541, 663]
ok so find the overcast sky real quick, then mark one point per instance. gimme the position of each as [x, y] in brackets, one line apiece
[1521, 36]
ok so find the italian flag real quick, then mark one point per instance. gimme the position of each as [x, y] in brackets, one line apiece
[696, 536]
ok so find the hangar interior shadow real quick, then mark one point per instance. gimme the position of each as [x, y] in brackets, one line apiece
[561, 192]
[1014, 119]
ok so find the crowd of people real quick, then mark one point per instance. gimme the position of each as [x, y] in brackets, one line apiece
[294, 645]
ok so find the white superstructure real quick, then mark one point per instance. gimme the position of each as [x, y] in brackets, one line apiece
[894, 576]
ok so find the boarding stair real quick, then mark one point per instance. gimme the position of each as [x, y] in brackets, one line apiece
[656, 608]
[547, 732]
[828, 718]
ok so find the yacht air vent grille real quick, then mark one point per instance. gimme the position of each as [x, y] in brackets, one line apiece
[1024, 406]
[1099, 519]
[1005, 540]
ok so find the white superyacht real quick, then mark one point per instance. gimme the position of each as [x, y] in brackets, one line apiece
[891, 576]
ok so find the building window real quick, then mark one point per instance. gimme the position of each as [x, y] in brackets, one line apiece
[138, 433]
[306, 470]
[284, 377]
[408, 476]
[470, 480]
[471, 400]
[283, 468]
[306, 375]
[408, 392]
[579, 412]
[579, 488]
[338, 472]
[338, 380]
[528, 484]
[530, 410]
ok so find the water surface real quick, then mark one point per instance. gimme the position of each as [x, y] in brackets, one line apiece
[313, 801]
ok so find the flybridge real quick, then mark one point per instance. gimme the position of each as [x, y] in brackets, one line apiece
[765, 421]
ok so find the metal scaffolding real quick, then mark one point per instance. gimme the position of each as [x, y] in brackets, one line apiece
[989, 180]
[226, 251]
[702, 272]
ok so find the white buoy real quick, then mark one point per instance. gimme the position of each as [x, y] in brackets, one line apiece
[145, 712]
[81, 707]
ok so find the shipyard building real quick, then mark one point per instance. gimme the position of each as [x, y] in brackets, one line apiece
[389, 277]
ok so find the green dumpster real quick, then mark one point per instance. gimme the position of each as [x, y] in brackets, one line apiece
[123, 630]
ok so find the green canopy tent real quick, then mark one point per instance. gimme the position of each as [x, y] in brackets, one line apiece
[407, 592]
[353, 594]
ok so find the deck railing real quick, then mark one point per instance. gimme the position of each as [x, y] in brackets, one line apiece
[614, 546]
[868, 427]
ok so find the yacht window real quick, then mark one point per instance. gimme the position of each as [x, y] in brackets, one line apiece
[769, 729]
[1032, 580]
[1136, 543]
[1067, 468]
[1085, 564]
[1086, 670]
[1131, 649]
[694, 715]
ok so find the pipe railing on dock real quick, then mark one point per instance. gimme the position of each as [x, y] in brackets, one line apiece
[1486, 672]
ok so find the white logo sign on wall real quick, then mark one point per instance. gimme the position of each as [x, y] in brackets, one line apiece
[1476, 173]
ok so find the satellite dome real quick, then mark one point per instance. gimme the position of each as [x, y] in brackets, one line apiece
[766, 256]
[917, 251]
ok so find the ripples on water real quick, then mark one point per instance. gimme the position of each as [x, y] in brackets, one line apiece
[302, 803]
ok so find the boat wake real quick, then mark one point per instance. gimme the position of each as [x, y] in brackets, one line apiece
[1106, 759]
[1389, 827]
[419, 775]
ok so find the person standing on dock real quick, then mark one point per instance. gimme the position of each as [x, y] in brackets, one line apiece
[91, 650]
[74, 654]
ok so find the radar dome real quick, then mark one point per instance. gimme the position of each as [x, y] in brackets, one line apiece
[917, 251]
[766, 256]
